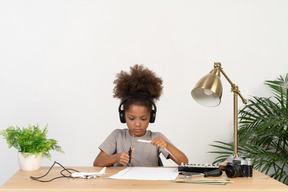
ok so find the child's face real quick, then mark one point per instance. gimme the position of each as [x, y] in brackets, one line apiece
[137, 119]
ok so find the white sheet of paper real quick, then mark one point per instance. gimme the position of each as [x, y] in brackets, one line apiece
[147, 173]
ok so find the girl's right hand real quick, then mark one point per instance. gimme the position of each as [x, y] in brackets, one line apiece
[123, 158]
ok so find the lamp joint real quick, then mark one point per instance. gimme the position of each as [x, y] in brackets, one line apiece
[217, 65]
[235, 89]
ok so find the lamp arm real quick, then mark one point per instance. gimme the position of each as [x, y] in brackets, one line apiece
[234, 88]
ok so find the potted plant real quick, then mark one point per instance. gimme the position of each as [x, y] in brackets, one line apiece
[263, 132]
[32, 144]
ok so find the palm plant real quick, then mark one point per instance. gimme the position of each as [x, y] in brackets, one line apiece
[263, 134]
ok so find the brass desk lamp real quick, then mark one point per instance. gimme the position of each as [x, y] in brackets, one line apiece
[208, 92]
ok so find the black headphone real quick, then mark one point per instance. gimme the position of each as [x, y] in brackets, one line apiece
[122, 112]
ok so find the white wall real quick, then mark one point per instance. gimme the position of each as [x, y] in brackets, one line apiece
[58, 60]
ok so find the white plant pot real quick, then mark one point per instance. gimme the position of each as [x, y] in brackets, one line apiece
[28, 162]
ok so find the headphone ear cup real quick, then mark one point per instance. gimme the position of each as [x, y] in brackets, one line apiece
[122, 116]
[152, 116]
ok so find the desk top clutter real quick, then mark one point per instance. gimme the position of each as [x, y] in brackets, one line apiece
[21, 181]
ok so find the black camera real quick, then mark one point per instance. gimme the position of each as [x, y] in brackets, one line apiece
[239, 167]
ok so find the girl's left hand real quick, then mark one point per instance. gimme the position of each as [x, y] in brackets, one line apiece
[159, 142]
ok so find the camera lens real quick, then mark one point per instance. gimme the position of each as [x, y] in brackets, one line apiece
[233, 170]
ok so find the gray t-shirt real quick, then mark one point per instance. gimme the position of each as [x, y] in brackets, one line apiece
[145, 154]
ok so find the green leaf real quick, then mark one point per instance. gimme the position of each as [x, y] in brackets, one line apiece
[30, 140]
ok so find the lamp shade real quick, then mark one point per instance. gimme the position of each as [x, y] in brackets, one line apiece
[208, 90]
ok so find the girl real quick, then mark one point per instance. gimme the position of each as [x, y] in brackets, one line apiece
[137, 92]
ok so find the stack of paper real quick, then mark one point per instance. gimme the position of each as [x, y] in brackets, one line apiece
[147, 173]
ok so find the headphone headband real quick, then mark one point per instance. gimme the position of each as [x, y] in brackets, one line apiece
[122, 112]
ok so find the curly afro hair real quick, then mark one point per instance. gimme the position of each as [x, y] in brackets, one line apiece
[140, 81]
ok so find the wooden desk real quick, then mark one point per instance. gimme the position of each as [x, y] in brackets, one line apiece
[21, 182]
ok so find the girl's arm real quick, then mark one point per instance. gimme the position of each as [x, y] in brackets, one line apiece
[175, 154]
[104, 160]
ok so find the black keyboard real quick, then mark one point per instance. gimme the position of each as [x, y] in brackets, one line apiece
[198, 168]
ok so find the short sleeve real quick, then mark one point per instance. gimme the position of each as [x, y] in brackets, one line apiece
[109, 144]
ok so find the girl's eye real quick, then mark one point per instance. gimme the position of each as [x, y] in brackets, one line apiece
[144, 119]
[131, 118]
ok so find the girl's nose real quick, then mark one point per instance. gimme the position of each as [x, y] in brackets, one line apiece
[137, 123]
